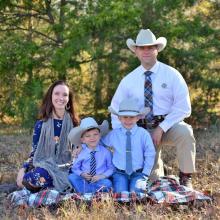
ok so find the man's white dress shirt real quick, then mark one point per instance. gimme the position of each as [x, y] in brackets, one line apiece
[170, 94]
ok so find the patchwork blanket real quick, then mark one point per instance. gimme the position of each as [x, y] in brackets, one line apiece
[164, 190]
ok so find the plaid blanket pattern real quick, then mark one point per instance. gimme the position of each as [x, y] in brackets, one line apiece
[168, 190]
[164, 190]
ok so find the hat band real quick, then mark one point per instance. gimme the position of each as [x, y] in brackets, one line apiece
[128, 111]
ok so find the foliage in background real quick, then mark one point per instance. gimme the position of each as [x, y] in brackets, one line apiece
[83, 42]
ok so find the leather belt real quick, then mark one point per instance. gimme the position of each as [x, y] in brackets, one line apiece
[123, 171]
[153, 124]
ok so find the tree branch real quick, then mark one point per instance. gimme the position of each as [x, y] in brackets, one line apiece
[20, 15]
[34, 31]
[24, 8]
[48, 11]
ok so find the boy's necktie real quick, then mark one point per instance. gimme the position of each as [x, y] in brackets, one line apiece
[148, 95]
[129, 169]
[92, 164]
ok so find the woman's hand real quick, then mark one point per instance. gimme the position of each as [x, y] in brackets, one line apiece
[76, 151]
[20, 177]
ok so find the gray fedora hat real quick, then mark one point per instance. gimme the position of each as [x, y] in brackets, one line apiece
[146, 38]
[129, 107]
[86, 124]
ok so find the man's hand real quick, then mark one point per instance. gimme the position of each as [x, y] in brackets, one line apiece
[97, 177]
[86, 176]
[157, 135]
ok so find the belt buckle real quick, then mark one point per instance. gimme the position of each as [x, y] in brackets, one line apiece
[151, 125]
[159, 117]
[146, 124]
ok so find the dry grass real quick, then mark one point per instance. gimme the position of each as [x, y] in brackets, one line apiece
[14, 149]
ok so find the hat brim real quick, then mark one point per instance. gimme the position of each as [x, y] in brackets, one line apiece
[161, 42]
[143, 112]
[76, 133]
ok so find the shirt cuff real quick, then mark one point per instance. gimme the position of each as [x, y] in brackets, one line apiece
[165, 126]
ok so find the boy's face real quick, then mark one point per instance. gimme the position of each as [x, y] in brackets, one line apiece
[91, 138]
[128, 122]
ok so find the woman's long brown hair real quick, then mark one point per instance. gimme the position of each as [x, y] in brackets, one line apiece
[47, 105]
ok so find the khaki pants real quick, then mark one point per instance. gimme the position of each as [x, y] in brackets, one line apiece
[180, 136]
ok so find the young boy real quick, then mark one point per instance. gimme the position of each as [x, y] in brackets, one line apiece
[134, 152]
[93, 166]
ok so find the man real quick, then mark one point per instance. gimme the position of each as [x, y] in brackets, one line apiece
[163, 89]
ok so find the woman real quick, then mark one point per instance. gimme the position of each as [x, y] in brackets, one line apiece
[50, 145]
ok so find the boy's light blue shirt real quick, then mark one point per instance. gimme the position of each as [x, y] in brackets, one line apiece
[103, 161]
[142, 148]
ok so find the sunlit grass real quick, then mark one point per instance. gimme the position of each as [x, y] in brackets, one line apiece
[15, 145]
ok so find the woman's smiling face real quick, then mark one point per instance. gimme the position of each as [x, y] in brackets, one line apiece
[60, 97]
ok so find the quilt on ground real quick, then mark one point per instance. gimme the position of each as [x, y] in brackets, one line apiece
[164, 190]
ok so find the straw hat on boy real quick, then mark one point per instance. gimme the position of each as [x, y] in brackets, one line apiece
[129, 107]
[86, 124]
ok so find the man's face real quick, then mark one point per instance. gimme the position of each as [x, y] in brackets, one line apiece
[128, 122]
[147, 55]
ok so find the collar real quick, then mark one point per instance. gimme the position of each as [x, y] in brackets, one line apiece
[153, 69]
[132, 130]
[84, 146]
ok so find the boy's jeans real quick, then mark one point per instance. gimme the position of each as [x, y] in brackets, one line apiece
[83, 186]
[125, 182]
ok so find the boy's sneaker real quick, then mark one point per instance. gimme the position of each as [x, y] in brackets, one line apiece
[185, 179]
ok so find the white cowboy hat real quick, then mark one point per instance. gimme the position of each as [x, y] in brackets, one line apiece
[146, 38]
[129, 107]
[86, 124]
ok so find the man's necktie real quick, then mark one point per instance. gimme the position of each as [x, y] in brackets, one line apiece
[129, 169]
[92, 164]
[148, 94]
